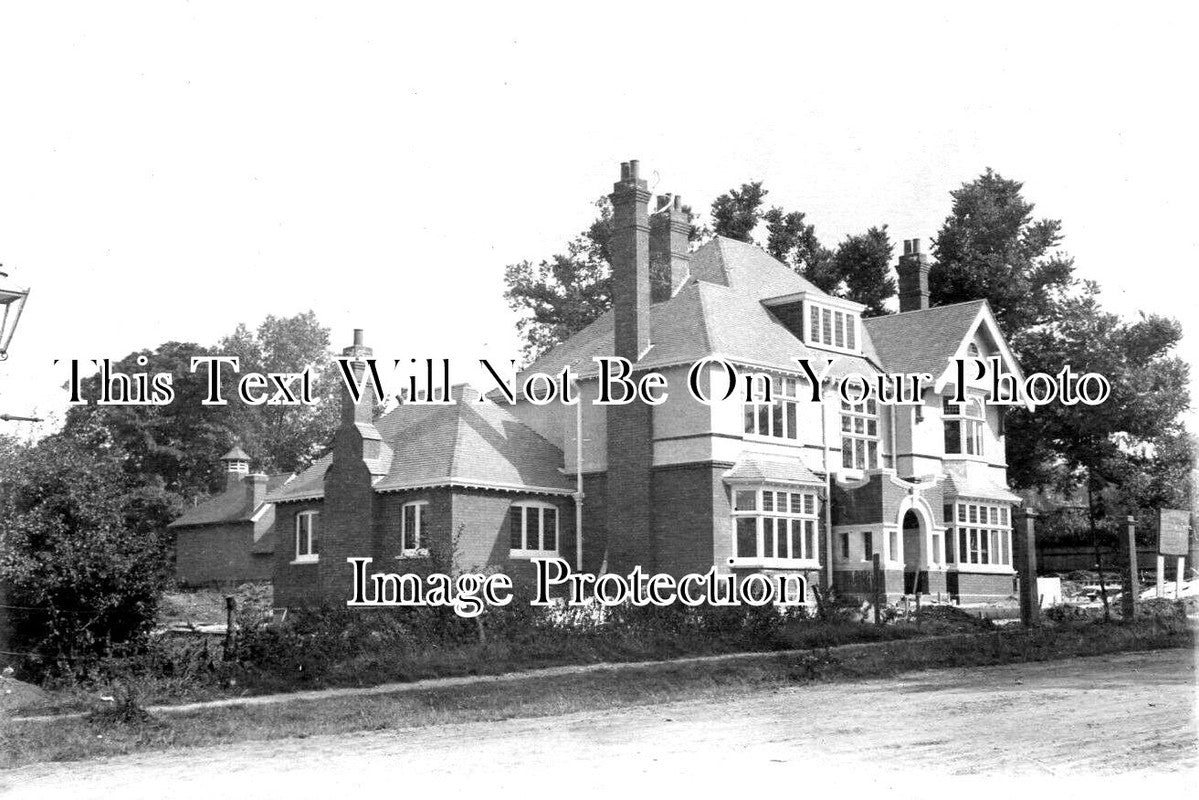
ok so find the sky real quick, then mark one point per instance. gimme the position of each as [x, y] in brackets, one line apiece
[169, 170]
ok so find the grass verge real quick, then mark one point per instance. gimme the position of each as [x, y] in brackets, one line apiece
[120, 733]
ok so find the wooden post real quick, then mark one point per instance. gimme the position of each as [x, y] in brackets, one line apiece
[880, 592]
[230, 605]
[1161, 575]
[1132, 585]
[1182, 562]
[1025, 545]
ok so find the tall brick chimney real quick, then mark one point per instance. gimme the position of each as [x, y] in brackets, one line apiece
[669, 248]
[256, 489]
[630, 263]
[348, 515]
[913, 277]
[629, 518]
[363, 410]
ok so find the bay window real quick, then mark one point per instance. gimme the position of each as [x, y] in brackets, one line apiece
[775, 525]
[980, 533]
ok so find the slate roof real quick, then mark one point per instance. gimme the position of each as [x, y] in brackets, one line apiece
[230, 505]
[718, 311]
[236, 454]
[921, 341]
[758, 469]
[959, 484]
[466, 444]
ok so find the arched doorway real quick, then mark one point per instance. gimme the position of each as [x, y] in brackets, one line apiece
[915, 556]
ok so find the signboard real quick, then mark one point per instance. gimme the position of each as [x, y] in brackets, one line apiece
[1172, 532]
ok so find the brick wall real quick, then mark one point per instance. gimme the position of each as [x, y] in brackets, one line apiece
[595, 520]
[691, 518]
[980, 587]
[295, 584]
[220, 554]
[630, 461]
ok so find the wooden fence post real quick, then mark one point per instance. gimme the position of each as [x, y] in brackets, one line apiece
[230, 644]
[880, 592]
[1132, 583]
[1025, 545]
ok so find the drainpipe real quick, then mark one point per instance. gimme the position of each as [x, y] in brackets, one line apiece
[578, 476]
[828, 494]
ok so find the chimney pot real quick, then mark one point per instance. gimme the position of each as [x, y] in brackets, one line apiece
[634, 169]
[358, 337]
[915, 245]
[624, 170]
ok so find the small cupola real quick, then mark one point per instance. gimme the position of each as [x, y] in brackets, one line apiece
[237, 466]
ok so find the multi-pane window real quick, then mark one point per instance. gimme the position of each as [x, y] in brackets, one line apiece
[533, 529]
[832, 328]
[981, 534]
[964, 425]
[412, 528]
[859, 435]
[775, 524]
[778, 418]
[307, 536]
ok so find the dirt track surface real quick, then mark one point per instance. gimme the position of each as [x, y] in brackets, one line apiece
[1107, 722]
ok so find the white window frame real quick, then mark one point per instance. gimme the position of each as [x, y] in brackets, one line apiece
[971, 419]
[418, 512]
[782, 525]
[855, 444]
[541, 551]
[778, 419]
[305, 520]
[818, 334]
[986, 531]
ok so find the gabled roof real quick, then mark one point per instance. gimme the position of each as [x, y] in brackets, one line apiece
[922, 341]
[717, 312]
[468, 444]
[236, 454]
[231, 505]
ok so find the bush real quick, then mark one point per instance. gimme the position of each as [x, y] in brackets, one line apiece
[81, 552]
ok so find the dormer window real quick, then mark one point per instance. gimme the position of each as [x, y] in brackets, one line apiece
[820, 320]
[831, 327]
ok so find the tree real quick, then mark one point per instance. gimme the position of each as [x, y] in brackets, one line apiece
[566, 292]
[176, 445]
[863, 262]
[82, 551]
[286, 438]
[736, 213]
[991, 247]
[793, 241]
[1132, 443]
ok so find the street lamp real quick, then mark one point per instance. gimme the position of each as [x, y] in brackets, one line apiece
[12, 298]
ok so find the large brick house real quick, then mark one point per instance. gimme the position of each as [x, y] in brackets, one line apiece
[812, 489]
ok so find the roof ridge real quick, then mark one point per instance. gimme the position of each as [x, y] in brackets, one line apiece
[924, 310]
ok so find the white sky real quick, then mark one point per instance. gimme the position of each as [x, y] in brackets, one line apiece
[168, 169]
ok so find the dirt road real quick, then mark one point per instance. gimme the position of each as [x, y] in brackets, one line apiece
[1108, 721]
